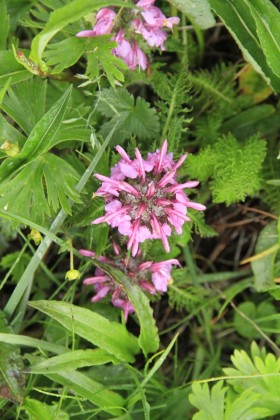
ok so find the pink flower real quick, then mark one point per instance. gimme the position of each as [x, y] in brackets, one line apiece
[105, 19]
[131, 54]
[151, 276]
[143, 198]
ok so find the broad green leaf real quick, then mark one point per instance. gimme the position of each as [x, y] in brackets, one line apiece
[36, 409]
[239, 20]
[26, 341]
[9, 133]
[93, 391]
[11, 376]
[148, 339]
[62, 17]
[5, 24]
[263, 267]
[11, 69]
[267, 18]
[72, 361]
[109, 336]
[40, 138]
[198, 10]
[210, 404]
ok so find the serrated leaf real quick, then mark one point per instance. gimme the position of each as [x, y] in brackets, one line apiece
[65, 53]
[198, 10]
[45, 183]
[72, 361]
[210, 405]
[148, 339]
[109, 336]
[136, 117]
[238, 18]
[25, 103]
[93, 391]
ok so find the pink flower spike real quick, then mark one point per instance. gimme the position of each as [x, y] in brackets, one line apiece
[148, 287]
[151, 190]
[178, 187]
[178, 214]
[140, 162]
[165, 180]
[145, 265]
[164, 240]
[129, 188]
[196, 206]
[180, 162]
[86, 34]
[116, 248]
[101, 294]
[107, 179]
[162, 155]
[141, 209]
[161, 264]
[96, 279]
[86, 253]
[123, 154]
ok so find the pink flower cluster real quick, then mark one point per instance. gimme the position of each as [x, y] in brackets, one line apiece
[151, 276]
[143, 198]
[146, 23]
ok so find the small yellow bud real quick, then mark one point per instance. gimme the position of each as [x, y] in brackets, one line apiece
[35, 236]
[11, 149]
[72, 275]
[170, 281]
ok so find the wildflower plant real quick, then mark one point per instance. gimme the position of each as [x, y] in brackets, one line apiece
[117, 288]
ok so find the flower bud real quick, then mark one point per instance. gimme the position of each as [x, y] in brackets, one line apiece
[72, 275]
[35, 236]
[11, 149]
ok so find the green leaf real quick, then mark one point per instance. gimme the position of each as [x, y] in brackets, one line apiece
[245, 26]
[136, 117]
[109, 336]
[267, 18]
[99, 53]
[5, 25]
[72, 361]
[62, 17]
[263, 267]
[210, 405]
[45, 183]
[11, 376]
[263, 119]
[65, 53]
[237, 169]
[148, 339]
[257, 314]
[39, 140]
[198, 10]
[93, 391]
[26, 341]
[25, 103]
[9, 133]
[11, 69]
[38, 410]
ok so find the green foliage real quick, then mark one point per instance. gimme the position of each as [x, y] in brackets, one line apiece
[234, 168]
[109, 336]
[260, 46]
[251, 392]
[42, 185]
[199, 11]
[135, 117]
